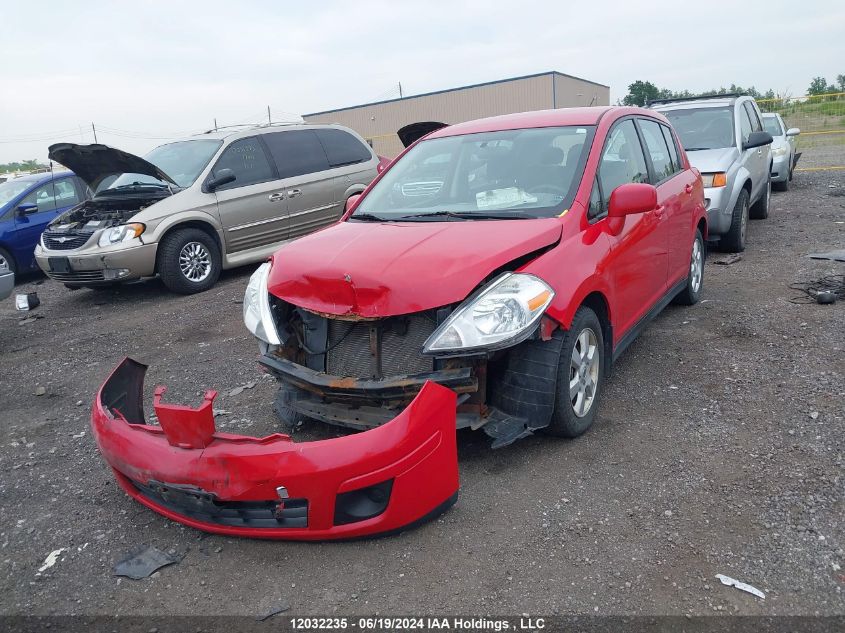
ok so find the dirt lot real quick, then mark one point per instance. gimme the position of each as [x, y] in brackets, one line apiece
[719, 449]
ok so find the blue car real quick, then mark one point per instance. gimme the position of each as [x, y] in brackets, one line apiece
[27, 204]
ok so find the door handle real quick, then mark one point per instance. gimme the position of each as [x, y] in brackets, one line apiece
[659, 212]
[275, 197]
[688, 188]
[292, 193]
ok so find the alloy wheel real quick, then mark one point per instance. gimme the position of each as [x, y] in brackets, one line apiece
[584, 372]
[696, 267]
[195, 261]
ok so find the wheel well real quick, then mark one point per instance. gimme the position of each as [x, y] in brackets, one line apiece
[702, 227]
[192, 224]
[747, 186]
[597, 302]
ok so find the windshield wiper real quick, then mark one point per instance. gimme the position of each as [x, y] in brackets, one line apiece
[367, 217]
[467, 215]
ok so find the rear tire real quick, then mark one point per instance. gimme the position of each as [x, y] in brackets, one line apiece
[580, 376]
[288, 416]
[734, 240]
[760, 210]
[189, 261]
[5, 256]
[695, 280]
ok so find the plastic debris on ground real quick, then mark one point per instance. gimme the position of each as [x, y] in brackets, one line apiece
[142, 562]
[27, 302]
[733, 582]
[51, 559]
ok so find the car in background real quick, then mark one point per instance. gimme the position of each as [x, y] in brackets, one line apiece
[194, 207]
[784, 150]
[27, 205]
[551, 239]
[7, 280]
[725, 140]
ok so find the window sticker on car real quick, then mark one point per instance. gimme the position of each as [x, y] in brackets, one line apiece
[502, 198]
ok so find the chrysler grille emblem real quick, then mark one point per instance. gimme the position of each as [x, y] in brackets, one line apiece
[62, 240]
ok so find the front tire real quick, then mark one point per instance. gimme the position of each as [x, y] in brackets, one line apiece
[189, 261]
[580, 377]
[6, 257]
[734, 240]
[695, 280]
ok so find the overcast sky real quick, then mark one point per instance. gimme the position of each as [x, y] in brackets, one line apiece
[162, 69]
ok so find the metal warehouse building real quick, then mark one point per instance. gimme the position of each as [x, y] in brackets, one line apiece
[378, 122]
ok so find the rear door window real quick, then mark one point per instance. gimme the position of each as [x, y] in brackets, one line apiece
[247, 159]
[622, 160]
[66, 194]
[342, 148]
[657, 150]
[296, 152]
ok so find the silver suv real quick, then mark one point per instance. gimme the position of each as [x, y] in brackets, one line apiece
[724, 139]
[194, 207]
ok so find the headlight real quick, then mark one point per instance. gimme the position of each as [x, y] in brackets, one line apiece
[718, 179]
[779, 151]
[122, 233]
[502, 314]
[258, 317]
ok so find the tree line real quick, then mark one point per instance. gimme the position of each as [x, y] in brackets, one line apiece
[26, 165]
[641, 92]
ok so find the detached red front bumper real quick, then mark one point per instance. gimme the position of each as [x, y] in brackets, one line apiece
[401, 473]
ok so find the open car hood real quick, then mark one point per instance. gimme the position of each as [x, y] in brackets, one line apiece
[374, 270]
[94, 163]
[413, 131]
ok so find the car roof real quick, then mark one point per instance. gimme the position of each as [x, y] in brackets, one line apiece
[704, 102]
[242, 131]
[537, 119]
[42, 176]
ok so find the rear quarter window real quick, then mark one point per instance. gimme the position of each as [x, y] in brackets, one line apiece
[342, 148]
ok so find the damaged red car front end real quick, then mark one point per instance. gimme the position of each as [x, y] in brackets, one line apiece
[380, 481]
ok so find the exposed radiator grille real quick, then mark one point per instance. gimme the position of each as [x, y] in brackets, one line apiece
[401, 339]
[65, 241]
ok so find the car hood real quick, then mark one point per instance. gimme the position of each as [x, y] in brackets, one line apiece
[94, 163]
[414, 131]
[380, 270]
[710, 160]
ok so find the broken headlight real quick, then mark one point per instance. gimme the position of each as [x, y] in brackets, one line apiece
[503, 313]
[258, 317]
[122, 233]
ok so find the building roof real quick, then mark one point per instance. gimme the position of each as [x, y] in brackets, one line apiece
[437, 92]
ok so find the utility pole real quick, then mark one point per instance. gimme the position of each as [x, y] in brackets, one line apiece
[93, 129]
[400, 89]
[269, 120]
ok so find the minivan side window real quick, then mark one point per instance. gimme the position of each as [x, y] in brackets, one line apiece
[296, 152]
[342, 148]
[245, 157]
[657, 150]
[622, 160]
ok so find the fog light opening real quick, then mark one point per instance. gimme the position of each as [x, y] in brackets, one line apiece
[362, 504]
[110, 274]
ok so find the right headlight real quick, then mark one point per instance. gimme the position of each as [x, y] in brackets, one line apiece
[779, 151]
[502, 314]
[258, 317]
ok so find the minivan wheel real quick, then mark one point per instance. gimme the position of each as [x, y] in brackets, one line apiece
[580, 377]
[189, 261]
[695, 279]
[734, 240]
[760, 210]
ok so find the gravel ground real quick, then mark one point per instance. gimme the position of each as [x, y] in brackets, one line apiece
[718, 449]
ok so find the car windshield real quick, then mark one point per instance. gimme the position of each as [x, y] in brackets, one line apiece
[703, 128]
[12, 188]
[528, 173]
[772, 125]
[183, 161]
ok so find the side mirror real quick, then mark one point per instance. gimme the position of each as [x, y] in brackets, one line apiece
[27, 209]
[222, 177]
[793, 131]
[757, 139]
[351, 203]
[632, 197]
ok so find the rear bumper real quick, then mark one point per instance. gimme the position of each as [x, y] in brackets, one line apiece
[364, 484]
[780, 168]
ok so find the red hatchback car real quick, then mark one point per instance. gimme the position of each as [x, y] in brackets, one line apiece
[511, 259]
[487, 278]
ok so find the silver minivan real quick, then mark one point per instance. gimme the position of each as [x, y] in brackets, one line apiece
[724, 139]
[194, 207]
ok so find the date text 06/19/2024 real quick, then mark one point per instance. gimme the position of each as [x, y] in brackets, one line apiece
[404, 623]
